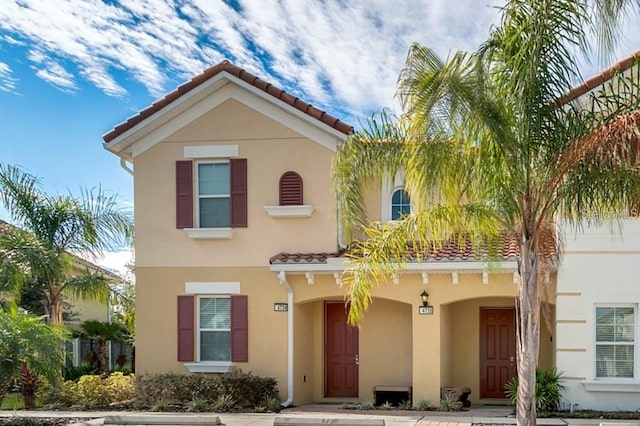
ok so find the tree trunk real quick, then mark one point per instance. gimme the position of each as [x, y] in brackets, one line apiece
[55, 312]
[28, 387]
[103, 359]
[528, 333]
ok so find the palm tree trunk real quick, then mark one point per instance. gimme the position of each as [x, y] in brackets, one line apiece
[28, 387]
[528, 333]
[55, 312]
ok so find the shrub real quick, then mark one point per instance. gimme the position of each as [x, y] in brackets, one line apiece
[450, 403]
[366, 405]
[223, 403]
[245, 389]
[422, 405]
[548, 389]
[173, 388]
[92, 391]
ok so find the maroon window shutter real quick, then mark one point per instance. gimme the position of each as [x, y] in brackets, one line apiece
[238, 173]
[184, 194]
[239, 329]
[186, 328]
[290, 189]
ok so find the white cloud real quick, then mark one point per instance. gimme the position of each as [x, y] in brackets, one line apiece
[7, 81]
[51, 71]
[340, 55]
[116, 261]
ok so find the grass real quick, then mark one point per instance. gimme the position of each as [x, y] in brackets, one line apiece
[12, 401]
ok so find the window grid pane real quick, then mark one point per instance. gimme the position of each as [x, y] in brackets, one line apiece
[615, 349]
[215, 212]
[213, 179]
[215, 328]
[400, 204]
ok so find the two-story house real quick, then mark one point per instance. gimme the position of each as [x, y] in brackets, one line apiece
[239, 263]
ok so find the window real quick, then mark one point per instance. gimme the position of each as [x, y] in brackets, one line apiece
[214, 328]
[220, 190]
[615, 342]
[214, 195]
[400, 204]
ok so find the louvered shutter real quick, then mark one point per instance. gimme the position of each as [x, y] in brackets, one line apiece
[239, 329]
[184, 194]
[238, 172]
[291, 189]
[186, 328]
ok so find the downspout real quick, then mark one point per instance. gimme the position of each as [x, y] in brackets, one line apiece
[283, 280]
[123, 164]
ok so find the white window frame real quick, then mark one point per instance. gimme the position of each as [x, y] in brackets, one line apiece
[634, 344]
[199, 329]
[198, 196]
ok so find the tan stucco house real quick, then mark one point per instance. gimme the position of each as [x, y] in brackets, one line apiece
[239, 263]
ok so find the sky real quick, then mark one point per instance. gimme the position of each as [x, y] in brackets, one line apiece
[70, 70]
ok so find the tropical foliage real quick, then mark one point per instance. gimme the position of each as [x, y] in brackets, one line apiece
[103, 333]
[491, 149]
[38, 252]
[30, 349]
[549, 390]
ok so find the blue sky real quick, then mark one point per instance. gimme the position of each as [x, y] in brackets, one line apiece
[72, 69]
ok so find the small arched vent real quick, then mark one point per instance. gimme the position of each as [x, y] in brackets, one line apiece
[290, 189]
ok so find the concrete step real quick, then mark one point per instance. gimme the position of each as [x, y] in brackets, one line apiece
[322, 421]
[162, 419]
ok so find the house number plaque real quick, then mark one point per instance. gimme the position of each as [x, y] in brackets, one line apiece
[425, 310]
[280, 307]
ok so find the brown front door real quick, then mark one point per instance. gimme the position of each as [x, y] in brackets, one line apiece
[497, 350]
[341, 352]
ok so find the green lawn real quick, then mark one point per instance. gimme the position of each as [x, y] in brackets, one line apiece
[12, 401]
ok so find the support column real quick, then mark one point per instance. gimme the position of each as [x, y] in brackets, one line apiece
[426, 355]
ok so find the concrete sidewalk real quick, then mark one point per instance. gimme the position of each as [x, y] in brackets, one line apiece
[322, 414]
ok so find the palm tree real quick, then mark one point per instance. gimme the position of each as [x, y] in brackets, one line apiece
[103, 333]
[37, 253]
[490, 147]
[29, 349]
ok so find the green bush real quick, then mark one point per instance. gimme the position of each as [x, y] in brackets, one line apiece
[172, 388]
[548, 389]
[244, 389]
[92, 391]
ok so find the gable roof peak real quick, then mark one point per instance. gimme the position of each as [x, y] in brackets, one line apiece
[237, 72]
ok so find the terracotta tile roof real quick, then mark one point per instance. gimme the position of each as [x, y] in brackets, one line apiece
[599, 79]
[451, 251]
[226, 66]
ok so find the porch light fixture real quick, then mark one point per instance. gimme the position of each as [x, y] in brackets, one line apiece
[425, 298]
[425, 309]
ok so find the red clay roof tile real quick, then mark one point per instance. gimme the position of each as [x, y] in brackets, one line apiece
[238, 72]
[452, 251]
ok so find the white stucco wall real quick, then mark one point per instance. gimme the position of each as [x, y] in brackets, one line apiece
[600, 266]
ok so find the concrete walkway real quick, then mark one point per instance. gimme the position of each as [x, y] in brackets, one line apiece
[324, 414]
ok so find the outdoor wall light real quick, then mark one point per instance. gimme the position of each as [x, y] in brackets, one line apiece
[425, 298]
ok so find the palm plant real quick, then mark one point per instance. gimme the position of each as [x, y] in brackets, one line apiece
[490, 147]
[38, 252]
[103, 333]
[29, 349]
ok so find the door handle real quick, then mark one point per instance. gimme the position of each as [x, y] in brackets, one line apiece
[512, 360]
[357, 360]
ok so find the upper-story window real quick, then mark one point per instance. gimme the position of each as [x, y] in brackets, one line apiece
[211, 193]
[615, 342]
[214, 195]
[400, 204]
[290, 189]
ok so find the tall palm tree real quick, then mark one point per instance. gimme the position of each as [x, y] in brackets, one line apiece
[29, 348]
[37, 252]
[490, 146]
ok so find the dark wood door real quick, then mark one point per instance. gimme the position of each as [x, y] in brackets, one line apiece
[341, 353]
[497, 350]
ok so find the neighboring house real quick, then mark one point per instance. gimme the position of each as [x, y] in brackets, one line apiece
[79, 350]
[239, 264]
